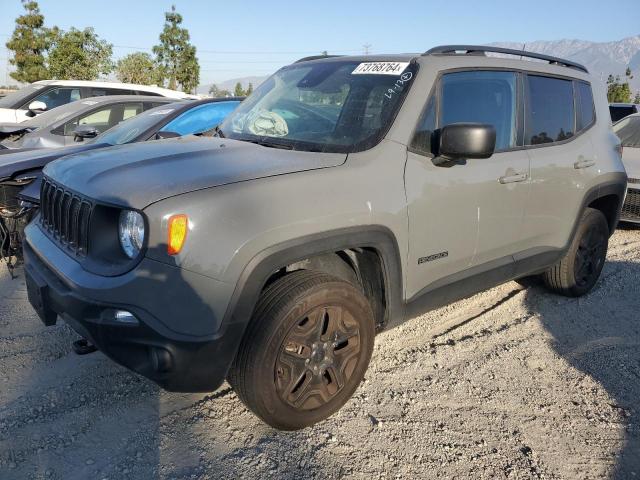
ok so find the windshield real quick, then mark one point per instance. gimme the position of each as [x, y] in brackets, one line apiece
[334, 106]
[129, 130]
[628, 130]
[15, 99]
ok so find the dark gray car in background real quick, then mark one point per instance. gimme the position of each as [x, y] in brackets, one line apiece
[76, 121]
[21, 172]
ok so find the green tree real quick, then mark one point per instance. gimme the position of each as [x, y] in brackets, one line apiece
[80, 55]
[175, 56]
[636, 100]
[216, 92]
[238, 91]
[29, 43]
[249, 90]
[138, 68]
[617, 90]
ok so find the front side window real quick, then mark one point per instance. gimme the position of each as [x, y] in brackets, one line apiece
[104, 118]
[333, 106]
[57, 97]
[488, 97]
[421, 142]
[201, 118]
[549, 113]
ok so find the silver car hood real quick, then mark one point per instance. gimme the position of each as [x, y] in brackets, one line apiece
[140, 174]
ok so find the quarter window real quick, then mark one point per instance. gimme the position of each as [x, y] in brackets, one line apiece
[550, 115]
[584, 104]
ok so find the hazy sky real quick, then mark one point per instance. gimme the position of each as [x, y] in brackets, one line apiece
[256, 37]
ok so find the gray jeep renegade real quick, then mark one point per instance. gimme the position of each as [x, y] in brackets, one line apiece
[346, 195]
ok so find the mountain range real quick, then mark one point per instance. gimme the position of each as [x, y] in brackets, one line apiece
[601, 58]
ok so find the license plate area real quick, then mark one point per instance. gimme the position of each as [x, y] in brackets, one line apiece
[37, 292]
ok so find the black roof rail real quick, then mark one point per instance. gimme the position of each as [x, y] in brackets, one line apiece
[481, 49]
[316, 57]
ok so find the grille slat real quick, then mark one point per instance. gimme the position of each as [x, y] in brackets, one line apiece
[631, 207]
[66, 217]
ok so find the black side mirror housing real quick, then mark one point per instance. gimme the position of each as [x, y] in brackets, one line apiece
[84, 131]
[460, 141]
[166, 134]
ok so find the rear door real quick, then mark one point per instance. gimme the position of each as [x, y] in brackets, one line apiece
[563, 164]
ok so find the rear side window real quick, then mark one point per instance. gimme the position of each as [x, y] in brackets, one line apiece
[584, 103]
[550, 115]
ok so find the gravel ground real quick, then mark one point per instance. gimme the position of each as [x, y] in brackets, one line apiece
[511, 383]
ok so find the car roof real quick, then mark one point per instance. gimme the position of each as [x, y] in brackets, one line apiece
[620, 104]
[450, 57]
[165, 92]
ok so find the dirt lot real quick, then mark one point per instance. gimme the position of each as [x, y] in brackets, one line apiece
[512, 383]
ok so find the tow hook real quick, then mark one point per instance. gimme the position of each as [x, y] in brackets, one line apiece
[83, 347]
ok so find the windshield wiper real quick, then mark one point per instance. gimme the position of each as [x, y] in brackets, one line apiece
[213, 132]
[266, 143]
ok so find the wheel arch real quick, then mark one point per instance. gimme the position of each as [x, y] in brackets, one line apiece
[608, 198]
[265, 264]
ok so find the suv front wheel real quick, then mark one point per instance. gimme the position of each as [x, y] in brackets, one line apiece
[580, 268]
[305, 351]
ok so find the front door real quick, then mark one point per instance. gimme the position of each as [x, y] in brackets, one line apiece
[466, 217]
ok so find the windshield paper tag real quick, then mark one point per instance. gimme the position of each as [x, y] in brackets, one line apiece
[380, 68]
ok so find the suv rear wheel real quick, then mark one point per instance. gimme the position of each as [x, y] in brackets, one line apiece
[580, 268]
[306, 350]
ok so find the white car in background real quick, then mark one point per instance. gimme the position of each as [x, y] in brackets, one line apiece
[49, 94]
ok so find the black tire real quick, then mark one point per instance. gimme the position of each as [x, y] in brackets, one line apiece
[579, 270]
[300, 360]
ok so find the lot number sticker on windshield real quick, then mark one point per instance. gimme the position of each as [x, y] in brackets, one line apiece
[380, 68]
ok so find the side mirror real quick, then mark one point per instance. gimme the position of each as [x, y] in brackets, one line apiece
[36, 107]
[84, 131]
[166, 134]
[460, 141]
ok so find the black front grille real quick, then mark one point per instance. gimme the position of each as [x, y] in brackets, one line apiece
[631, 207]
[65, 216]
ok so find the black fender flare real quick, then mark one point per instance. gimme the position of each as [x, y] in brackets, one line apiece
[258, 270]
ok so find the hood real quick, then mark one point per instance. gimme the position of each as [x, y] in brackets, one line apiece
[24, 160]
[7, 129]
[140, 174]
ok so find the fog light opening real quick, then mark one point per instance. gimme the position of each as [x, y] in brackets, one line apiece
[161, 359]
[127, 318]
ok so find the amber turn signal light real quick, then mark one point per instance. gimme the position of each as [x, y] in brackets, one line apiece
[178, 225]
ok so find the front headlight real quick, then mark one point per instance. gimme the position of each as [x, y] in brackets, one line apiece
[131, 232]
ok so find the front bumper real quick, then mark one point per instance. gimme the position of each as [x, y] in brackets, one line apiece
[190, 352]
[631, 207]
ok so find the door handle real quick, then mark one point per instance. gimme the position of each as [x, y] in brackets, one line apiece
[517, 177]
[584, 164]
